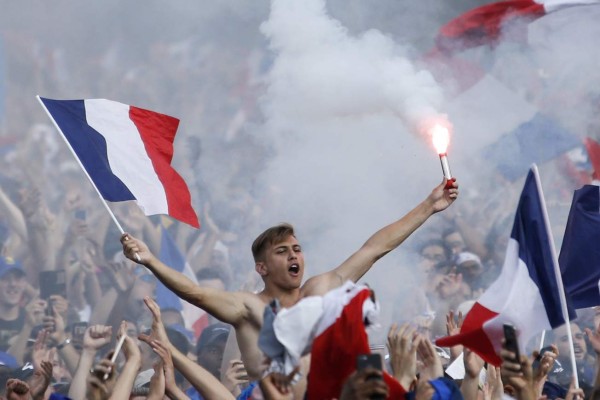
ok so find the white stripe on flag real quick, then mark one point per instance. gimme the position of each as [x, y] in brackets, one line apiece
[521, 305]
[127, 154]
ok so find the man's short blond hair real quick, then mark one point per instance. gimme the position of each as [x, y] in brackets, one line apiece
[273, 235]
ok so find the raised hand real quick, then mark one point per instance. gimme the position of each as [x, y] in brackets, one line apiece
[518, 374]
[135, 249]
[453, 328]
[157, 383]
[38, 383]
[235, 376]
[402, 345]
[432, 365]
[441, 198]
[96, 336]
[17, 390]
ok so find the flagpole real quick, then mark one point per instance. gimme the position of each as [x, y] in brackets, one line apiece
[561, 288]
[110, 212]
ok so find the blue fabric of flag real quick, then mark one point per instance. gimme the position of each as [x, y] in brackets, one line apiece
[580, 254]
[89, 145]
[171, 256]
[536, 141]
[530, 231]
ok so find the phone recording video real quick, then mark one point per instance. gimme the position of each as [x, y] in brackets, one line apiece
[510, 340]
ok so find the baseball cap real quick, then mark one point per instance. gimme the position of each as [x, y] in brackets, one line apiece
[212, 334]
[467, 256]
[8, 264]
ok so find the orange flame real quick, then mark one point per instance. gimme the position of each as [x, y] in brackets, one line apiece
[440, 136]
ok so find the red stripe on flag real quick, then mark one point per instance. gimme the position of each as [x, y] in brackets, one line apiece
[483, 25]
[334, 351]
[473, 336]
[158, 133]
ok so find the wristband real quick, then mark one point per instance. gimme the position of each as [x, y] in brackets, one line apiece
[66, 342]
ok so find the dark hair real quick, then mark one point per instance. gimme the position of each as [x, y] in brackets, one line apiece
[434, 242]
[272, 235]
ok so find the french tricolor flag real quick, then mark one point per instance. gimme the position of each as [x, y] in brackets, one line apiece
[527, 294]
[127, 153]
[484, 24]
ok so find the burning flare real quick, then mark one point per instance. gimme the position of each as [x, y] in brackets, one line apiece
[440, 136]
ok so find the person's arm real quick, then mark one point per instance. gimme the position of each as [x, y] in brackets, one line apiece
[94, 338]
[229, 307]
[55, 324]
[209, 387]
[172, 391]
[383, 241]
[13, 214]
[133, 361]
[34, 312]
[473, 366]
[38, 383]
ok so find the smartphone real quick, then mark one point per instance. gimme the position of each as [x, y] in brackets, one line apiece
[52, 282]
[78, 330]
[370, 360]
[50, 308]
[510, 338]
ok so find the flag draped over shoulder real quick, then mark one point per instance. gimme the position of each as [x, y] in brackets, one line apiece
[332, 329]
[526, 294]
[580, 254]
[127, 153]
[196, 319]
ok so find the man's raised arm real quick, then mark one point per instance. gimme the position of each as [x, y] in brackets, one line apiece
[228, 307]
[383, 241]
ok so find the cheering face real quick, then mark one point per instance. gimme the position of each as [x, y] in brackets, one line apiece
[12, 286]
[283, 264]
[579, 345]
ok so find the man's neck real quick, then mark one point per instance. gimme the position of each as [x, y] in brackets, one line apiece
[9, 312]
[287, 298]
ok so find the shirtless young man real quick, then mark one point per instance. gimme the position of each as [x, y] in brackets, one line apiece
[280, 262]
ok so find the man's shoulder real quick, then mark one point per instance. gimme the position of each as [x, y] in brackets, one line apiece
[321, 284]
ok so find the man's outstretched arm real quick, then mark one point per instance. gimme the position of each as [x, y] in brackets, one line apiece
[383, 241]
[228, 307]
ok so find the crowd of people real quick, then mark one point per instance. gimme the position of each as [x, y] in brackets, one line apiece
[70, 292]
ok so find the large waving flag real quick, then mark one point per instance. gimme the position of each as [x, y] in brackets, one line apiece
[127, 153]
[196, 319]
[580, 254]
[484, 24]
[527, 292]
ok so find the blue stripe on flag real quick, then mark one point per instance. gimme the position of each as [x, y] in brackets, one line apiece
[89, 145]
[531, 233]
[580, 254]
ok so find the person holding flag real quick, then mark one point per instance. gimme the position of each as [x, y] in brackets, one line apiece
[530, 276]
[280, 263]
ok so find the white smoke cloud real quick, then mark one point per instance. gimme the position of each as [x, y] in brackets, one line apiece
[322, 72]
